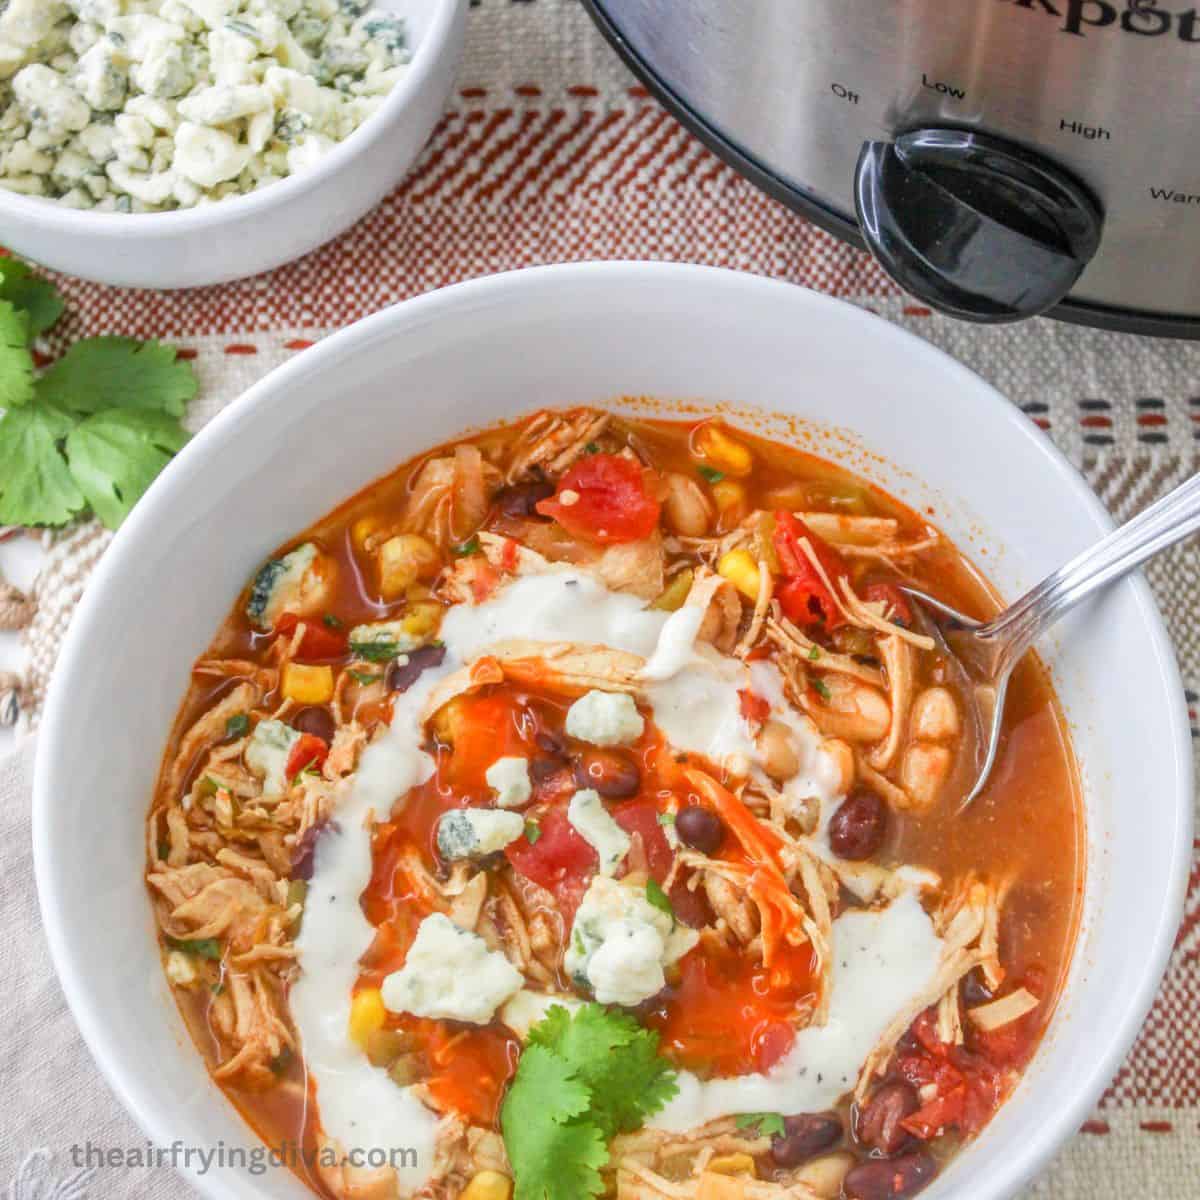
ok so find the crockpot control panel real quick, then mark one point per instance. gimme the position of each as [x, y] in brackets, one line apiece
[974, 225]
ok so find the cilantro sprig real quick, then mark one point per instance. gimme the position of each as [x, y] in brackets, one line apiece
[583, 1078]
[93, 430]
[763, 1124]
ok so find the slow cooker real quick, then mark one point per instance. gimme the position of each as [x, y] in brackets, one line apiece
[1000, 158]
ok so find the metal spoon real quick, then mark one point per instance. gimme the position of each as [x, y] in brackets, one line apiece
[990, 650]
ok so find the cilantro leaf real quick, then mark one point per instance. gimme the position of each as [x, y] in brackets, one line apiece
[16, 362]
[200, 947]
[656, 896]
[119, 372]
[552, 1161]
[766, 1124]
[713, 476]
[36, 297]
[553, 1156]
[584, 1076]
[615, 1057]
[35, 486]
[115, 455]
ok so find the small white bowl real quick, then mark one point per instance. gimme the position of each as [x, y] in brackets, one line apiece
[245, 235]
[347, 411]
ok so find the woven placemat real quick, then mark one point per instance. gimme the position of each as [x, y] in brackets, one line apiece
[548, 152]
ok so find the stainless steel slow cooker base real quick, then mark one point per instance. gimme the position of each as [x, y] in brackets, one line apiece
[776, 183]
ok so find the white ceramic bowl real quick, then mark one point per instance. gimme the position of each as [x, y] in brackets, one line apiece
[348, 410]
[244, 235]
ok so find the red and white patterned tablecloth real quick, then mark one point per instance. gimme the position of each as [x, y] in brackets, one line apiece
[549, 151]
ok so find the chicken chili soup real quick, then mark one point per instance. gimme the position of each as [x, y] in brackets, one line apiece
[574, 813]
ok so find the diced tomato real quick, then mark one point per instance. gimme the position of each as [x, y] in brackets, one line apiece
[754, 708]
[308, 753]
[803, 595]
[558, 860]
[484, 580]
[603, 498]
[318, 642]
[640, 816]
[896, 605]
[942, 1112]
[967, 1089]
[508, 554]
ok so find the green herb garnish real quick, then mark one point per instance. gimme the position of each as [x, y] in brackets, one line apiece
[765, 1124]
[659, 898]
[96, 428]
[330, 621]
[470, 546]
[591, 448]
[237, 726]
[821, 688]
[377, 652]
[198, 947]
[712, 475]
[814, 653]
[364, 676]
[666, 818]
[583, 1078]
[533, 831]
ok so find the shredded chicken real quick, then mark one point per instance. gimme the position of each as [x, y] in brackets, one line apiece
[207, 730]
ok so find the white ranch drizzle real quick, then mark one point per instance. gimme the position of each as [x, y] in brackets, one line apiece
[881, 960]
[694, 698]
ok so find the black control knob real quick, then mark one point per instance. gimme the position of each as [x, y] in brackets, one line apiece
[975, 226]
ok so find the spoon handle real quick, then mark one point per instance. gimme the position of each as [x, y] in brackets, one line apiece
[1167, 521]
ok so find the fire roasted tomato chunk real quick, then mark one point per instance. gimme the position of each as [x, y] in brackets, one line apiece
[554, 856]
[803, 595]
[603, 498]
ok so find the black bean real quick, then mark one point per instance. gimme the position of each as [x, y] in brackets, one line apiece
[551, 742]
[402, 675]
[315, 720]
[521, 499]
[858, 827]
[700, 829]
[541, 769]
[975, 990]
[890, 1178]
[804, 1136]
[305, 849]
[877, 1124]
[608, 772]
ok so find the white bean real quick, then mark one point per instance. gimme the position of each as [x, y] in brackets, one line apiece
[935, 715]
[686, 507]
[923, 770]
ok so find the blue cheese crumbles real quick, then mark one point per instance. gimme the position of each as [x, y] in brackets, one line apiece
[450, 974]
[476, 832]
[151, 105]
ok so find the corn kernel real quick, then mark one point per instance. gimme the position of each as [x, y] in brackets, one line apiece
[402, 561]
[488, 1185]
[732, 503]
[422, 619]
[367, 1015]
[739, 567]
[720, 1187]
[731, 1164]
[365, 529]
[721, 451]
[307, 684]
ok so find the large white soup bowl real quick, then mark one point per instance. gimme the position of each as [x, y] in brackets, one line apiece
[338, 415]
